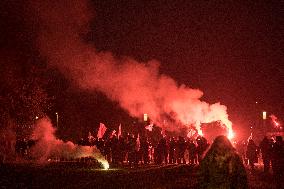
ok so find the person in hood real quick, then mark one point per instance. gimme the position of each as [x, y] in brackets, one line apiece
[222, 167]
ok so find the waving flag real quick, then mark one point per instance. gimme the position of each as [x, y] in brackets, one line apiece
[119, 131]
[149, 127]
[101, 131]
[113, 134]
[90, 137]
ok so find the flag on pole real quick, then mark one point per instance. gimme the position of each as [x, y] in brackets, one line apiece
[137, 147]
[149, 127]
[113, 134]
[119, 131]
[90, 137]
[101, 131]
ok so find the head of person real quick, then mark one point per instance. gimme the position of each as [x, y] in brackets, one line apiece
[221, 144]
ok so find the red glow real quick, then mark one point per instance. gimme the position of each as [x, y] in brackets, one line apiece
[231, 135]
[275, 122]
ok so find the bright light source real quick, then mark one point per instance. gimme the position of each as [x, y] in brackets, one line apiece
[231, 134]
[105, 165]
[200, 132]
[145, 117]
[36, 117]
[264, 115]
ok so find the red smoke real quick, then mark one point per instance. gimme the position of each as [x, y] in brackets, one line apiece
[48, 146]
[137, 86]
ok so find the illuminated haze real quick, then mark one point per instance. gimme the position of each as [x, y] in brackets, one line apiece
[48, 146]
[137, 86]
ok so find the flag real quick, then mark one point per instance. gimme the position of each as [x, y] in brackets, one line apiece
[137, 147]
[90, 137]
[101, 131]
[119, 131]
[191, 133]
[113, 134]
[149, 127]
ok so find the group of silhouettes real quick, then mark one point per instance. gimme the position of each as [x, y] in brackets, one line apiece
[221, 165]
[131, 150]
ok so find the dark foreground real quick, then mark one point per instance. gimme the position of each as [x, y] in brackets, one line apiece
[74, 175]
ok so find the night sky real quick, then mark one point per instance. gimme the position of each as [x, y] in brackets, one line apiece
[230, 50]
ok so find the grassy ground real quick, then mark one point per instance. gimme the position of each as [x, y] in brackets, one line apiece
[74, 175]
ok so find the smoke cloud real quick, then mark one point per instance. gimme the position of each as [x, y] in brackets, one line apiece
[48, 146]
[139, 87]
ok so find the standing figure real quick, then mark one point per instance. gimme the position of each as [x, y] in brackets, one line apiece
[266, 149]
[181, 144]
[251, 153]
[222, 167]
[278, 161]
[172, 150]
[241, 149]
[191, 152]
[162, 151]
[202, 146]
[145, 150]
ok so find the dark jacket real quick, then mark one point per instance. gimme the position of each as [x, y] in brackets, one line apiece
[222, 168]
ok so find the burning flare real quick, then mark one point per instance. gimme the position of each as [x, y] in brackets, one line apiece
[48, 146]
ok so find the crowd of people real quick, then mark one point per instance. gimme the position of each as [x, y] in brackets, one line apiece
[269, 152]
[131, 150]
[182, 150]
[223, 158]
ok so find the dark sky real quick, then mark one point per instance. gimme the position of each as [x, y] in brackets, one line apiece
[231, 50]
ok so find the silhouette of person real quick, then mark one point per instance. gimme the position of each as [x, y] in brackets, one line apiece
[222, 167]
[278, 161]
[202, 146]
[251, 153]
[266, 149]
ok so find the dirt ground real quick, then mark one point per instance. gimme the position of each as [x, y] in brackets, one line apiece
[72, 175]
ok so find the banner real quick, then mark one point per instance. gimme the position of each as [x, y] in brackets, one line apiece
[101, 131]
